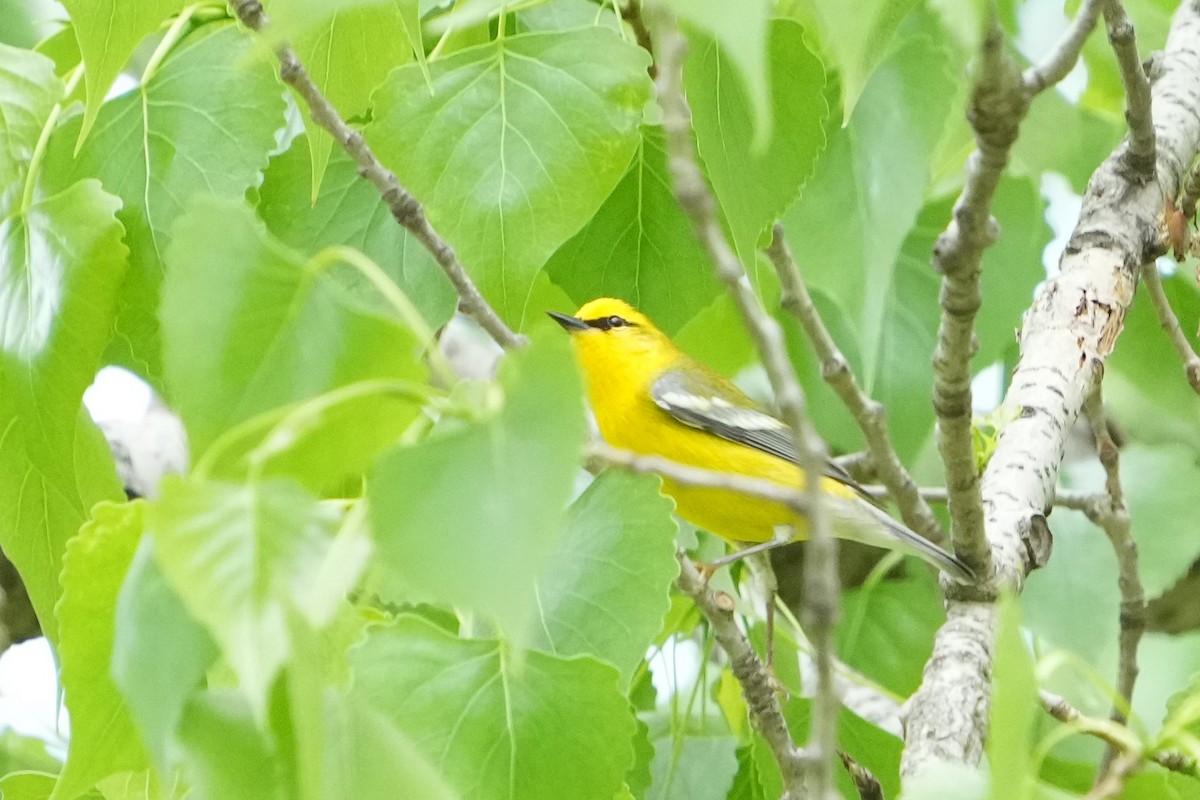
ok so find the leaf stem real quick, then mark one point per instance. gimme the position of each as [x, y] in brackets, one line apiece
[169, 40]
[39, 149]
[277, 417]
[396, 298]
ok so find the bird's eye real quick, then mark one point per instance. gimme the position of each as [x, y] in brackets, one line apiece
[615, 322]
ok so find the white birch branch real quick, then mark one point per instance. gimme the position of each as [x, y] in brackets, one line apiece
[1071, 327]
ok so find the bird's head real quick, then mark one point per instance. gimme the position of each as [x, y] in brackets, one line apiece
[611, 337]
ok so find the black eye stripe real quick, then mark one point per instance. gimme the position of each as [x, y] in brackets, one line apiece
[608, 323]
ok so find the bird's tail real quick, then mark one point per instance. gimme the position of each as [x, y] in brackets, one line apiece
[862, 522]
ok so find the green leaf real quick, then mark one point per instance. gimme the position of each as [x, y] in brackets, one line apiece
[28, 91]
[103, 738]
[470, 516]
[160, 654]
[367, 757]
[1010, 271]
[108, 31]
[695, 767]
[61, 261]
[1158, 783]
[606, 589]
[887, 628]
[638, 778]
[1070, 139]
[859, 37]
[640, 247]
[63, 48]
[143, 785]
[1159, 484]
[203, 123]
[499, 726]
[964, 19]
[717, 336]
[747, 783]
[226, 756]
[1105, 92]
[274, 329]
[349, 211]
[742, 37]
[243, 558]
[467, 13]
[27, 786]
[872, 747]
[1145, 385]
[347, 56]
[1013, 705]
[755, 185]
[1082, 568]
[563, 14]
[519, 144]
[20, 753]
[828, 412]
[869, 186]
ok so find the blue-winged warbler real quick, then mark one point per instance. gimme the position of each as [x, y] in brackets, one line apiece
[650, 397]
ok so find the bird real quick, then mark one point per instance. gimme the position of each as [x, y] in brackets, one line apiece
[651, 398]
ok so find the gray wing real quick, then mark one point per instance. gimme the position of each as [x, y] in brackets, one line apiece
[698, 400]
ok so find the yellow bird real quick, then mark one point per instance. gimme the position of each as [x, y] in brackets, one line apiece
[652, 398]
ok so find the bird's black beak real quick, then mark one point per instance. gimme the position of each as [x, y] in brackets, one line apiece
[569, 323]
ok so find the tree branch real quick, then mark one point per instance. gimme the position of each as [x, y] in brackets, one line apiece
[865, 783]
[1113, 518]
[599, 455]
[1073, 322]
[999, 103]
[1115, 735]
[821, 591]
[1170, 323]
[1140, 155]
[405, 208]
[755, 679]
[632, 13]
[1062, 59]
[870, 415]
[1113, 781]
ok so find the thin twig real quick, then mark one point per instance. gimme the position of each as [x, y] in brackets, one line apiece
[865, 783]
[998, 103]
[405, 208]
[632, 13]
[1141, 153]
[1170, 324]
[1059, 62]
[870, 414]
[599, 454]
[1078, 500]
[1116, 525]
[1113, 781]
[1115, 735]
[755, 679]
[820, 590]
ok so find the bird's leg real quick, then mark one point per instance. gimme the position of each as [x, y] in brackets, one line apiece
[745, 552]
[708, 568]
